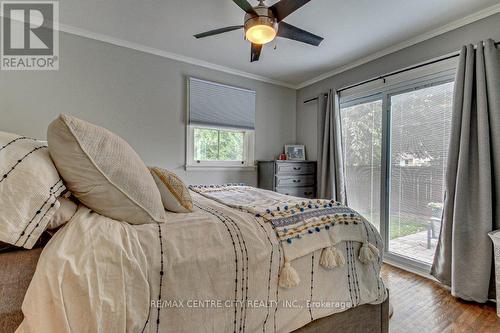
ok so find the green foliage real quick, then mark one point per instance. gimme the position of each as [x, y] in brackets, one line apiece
[362, 134]
[231, 146]
[435, 205]
[206, 144]
[406, 225]
[420, 122]
[400, 224]
[218, 145]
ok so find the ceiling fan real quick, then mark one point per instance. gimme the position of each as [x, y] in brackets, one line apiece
[262, 24]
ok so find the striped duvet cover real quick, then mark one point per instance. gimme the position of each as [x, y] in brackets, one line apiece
[213, 270]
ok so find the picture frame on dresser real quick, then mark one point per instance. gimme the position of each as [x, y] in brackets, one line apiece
[295, 152]
[290, 177]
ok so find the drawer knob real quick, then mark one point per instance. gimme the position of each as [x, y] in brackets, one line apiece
[297, 168]
[296, 180]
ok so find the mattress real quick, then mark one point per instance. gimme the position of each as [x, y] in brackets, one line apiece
[213, 270]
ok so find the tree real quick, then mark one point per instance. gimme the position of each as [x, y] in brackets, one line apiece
[213, 144]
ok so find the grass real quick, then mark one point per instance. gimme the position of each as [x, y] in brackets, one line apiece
[404, 226]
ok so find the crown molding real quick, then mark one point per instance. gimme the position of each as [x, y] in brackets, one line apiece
[165, 54]
[410, 42]
[170, 55]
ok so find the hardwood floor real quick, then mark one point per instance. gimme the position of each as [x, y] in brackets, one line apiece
[424, 306]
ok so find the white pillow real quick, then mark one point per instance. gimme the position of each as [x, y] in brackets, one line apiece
[103, 172]
[29, 188]
[65, 212]
[174, 193]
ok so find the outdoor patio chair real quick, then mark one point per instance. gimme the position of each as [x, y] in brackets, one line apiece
[433, 229]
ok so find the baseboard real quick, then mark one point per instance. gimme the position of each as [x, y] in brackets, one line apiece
[410, 268]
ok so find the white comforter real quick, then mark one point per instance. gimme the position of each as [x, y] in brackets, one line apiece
[213, 270]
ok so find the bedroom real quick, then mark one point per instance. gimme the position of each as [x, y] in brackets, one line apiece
[296, 185]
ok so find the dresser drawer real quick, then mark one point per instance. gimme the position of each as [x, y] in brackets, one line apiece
[294, 168]
[303, 192]
[295, 178]
[291, 181]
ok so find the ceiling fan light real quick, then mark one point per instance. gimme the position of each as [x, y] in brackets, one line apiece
[260, 34]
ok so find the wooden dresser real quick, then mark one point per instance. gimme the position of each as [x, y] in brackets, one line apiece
[297, 178]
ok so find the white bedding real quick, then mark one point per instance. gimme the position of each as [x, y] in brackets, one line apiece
[220, 274]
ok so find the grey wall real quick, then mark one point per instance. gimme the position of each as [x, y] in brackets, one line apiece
[139, 96]
[142, 97]
[432, 48]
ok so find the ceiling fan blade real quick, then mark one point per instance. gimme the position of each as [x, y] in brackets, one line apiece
[284, 8]
[218, 31]
[243, 4]
[255, 52]
[289, 31]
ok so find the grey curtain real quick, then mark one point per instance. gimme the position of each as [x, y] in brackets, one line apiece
[464, 254]
[331, 175]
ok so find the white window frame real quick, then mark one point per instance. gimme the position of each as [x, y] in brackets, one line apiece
[248, 163]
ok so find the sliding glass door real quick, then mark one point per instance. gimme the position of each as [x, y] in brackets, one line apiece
[395, 151]
[420, 131]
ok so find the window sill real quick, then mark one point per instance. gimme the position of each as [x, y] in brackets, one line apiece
[220, 168]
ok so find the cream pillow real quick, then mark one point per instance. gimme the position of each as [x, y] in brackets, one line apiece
[103, 172]
[29, 188]
[65, 212]
[174, 193]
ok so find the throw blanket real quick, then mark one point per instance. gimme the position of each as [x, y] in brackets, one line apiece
[302, 226]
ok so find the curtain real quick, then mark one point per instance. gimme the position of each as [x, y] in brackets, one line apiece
[464, 255]
[331, 172]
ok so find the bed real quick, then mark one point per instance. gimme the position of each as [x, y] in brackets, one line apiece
[18, 268]
[148, 274]
[133, 249]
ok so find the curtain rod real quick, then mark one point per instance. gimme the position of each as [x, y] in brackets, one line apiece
[313, 99]
[382, 77]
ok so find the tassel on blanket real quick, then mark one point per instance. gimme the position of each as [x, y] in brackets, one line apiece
[288, 277]
[331, 258]
[368, 253]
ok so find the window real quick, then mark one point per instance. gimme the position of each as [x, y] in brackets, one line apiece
[395, 137]
[217, 147]
[362, 143]
[220, 131]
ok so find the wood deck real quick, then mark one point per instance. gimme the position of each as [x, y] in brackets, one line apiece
[414, 246]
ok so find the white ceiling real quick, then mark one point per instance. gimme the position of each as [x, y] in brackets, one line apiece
[352, 29]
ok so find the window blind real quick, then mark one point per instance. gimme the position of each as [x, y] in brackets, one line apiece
[219, 105]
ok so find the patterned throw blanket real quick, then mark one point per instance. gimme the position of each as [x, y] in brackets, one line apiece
[302, 226]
